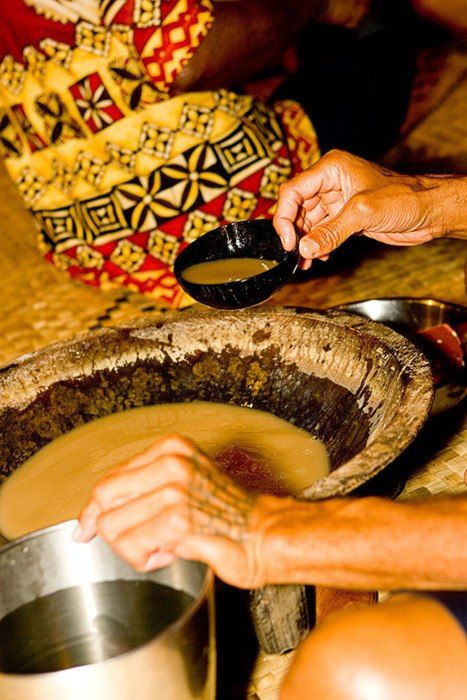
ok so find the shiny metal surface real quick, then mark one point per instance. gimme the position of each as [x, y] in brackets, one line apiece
[77, 622]
[407, 316]
[404, 312]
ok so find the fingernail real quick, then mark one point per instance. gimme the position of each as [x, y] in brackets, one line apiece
[157, 560]
[309, 248]
[78, 533]
[286, 244]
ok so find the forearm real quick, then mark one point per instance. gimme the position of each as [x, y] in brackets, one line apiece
[250, 36]
[365, 544]
[445, 200]
[451, 14]
[247, 37]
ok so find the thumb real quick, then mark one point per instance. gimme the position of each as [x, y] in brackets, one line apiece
[323, 239]
[226, 558]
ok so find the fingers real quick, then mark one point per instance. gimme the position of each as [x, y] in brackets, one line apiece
[159, 535]
[158, 541]
[303, 189]
[355, 216]
[287, 209]
[173, 503]
[166, 461]
[150, 532]
[113, 523]
[334, 179]
[304, 264]
[122, 487]
[323, 179]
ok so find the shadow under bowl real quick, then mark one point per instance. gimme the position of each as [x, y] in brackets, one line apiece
[409, 316]
[242, 239]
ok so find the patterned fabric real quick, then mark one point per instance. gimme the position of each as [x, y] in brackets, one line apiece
[118, 174]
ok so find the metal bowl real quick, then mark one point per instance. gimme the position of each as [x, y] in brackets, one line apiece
[242, 239]
[408, 316]
[76, 621]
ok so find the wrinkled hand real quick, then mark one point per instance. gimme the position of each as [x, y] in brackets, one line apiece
[170, 500]
[343, 194]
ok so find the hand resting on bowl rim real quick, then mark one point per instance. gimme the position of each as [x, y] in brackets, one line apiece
[171, 500]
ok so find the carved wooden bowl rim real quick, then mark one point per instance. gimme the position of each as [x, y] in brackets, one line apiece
[28, 375]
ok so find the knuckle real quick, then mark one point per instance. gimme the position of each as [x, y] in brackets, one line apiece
[183, 441]
[328, 236]
[182, 468]
[284, 189]
[137, 561]
[362, 205]
[106, 527]
[398, 190]
[175, 467]
[124, 546]
[99, 492]
[336, 154]
[175, 494]
[175, 441]
[177, 520]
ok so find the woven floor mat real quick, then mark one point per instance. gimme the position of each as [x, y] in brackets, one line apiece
[39, 305]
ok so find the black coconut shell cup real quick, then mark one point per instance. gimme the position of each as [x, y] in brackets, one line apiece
[242, 239]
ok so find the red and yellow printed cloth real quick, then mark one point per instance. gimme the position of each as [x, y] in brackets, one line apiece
[119, 174]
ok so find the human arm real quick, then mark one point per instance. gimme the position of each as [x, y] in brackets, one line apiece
[450, 14]
[250, 36]
[343, 194]
[171, 501]
[369, 543]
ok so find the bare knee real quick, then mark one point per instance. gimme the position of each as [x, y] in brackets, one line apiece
[384, 651]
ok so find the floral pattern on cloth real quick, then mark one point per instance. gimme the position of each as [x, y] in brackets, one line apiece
[119, 174]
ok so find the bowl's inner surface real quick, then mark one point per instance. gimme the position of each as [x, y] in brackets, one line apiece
[406, 314]
[438, 329]
[64, 605]
[78, 626]
[338, 382]
[316, 404]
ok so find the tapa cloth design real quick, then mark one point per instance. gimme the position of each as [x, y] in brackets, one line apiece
[119, 174]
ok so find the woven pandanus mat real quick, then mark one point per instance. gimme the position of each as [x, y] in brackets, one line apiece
[39, 305]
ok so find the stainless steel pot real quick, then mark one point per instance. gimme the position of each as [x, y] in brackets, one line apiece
[77, 622]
